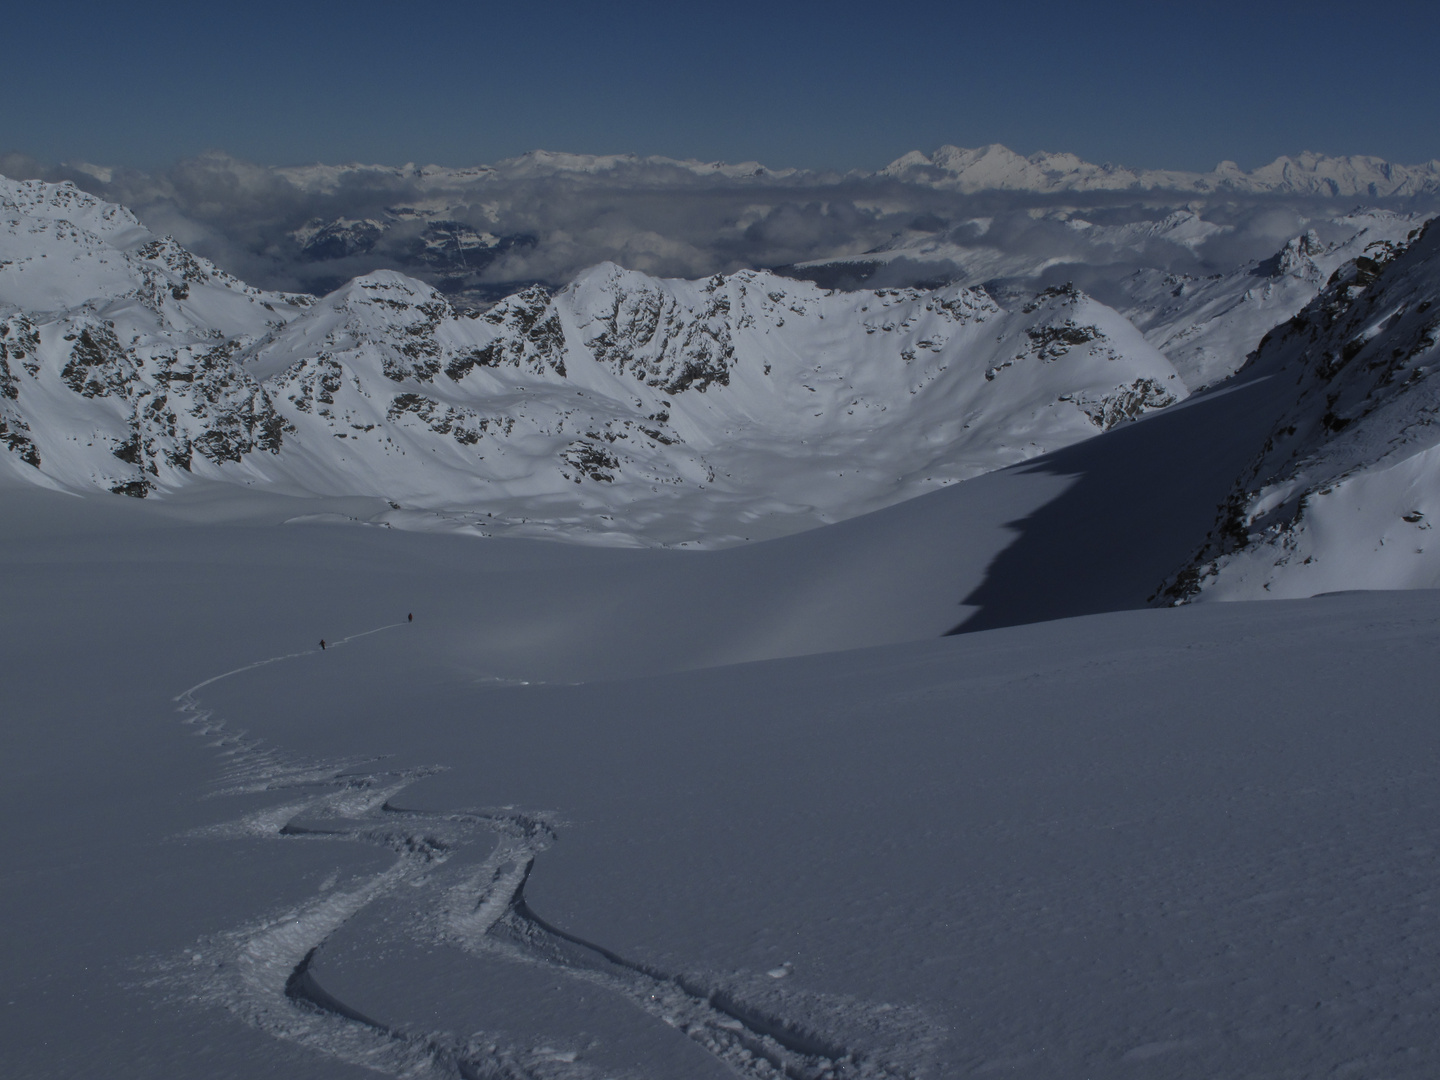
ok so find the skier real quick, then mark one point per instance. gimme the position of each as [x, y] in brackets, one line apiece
[410, 617]
[322, 644]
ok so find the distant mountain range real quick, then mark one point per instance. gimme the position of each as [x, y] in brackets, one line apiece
[996, 168]
[985, 168]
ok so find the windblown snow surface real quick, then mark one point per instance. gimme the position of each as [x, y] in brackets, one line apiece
[934, 791]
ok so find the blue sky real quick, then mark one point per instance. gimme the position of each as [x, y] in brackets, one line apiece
[819, 85]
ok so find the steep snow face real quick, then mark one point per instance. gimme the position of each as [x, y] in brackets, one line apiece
[997, 168]
[1208, 325]
[623, 407]
[1347, 490]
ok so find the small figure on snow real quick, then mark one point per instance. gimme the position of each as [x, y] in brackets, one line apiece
[410, 617]
[322, 644]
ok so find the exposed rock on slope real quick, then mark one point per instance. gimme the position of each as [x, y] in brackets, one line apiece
[695, 407]
[116, 348]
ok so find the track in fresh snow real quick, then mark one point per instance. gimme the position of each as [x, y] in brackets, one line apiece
[264, 972]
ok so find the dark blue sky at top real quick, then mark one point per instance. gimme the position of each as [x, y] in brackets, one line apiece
[820, 85]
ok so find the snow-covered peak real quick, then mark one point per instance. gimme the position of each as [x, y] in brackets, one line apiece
[1355, 175]
[998, 168]
[389, 316]
[36, 200]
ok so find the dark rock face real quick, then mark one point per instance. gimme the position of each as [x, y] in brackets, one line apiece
[98, 365]
[1128, 403]
[648, 334]
[19, 343]
[590, 459]
[181, 402]
[1053, 342]
[531, 337]
[464, 426]
[338, 239]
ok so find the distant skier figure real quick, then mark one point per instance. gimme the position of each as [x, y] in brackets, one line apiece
[322, 644]
[410, 617]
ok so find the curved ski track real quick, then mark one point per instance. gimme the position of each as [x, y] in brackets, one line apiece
[263, 972]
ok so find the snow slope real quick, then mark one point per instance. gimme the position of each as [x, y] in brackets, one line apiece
[622, 408]
[1175, 843]
[651, 813]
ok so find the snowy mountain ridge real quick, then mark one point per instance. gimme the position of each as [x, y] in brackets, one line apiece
[624, 407]
[628, 409]
[479, 233]
[1207, 325]
[986, 168]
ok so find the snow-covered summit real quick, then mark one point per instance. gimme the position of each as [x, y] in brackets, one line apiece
[38, 201]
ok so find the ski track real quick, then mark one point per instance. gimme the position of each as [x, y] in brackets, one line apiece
[263, 972]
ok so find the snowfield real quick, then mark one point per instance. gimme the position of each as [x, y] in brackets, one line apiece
[1170, 843]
